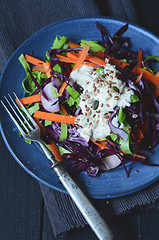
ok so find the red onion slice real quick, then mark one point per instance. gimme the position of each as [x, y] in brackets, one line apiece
[118, 131]
[52, 104]
[110, 162]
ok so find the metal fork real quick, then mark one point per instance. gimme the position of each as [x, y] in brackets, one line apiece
[31, 131]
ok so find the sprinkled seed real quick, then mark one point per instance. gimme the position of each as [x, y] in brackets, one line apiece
[89, 112]
[107, 105]
[95, 104]
[83, 100]
[90, 123]
[87, 119]
[94, 115]
[116, 97]
[134, 115]
[115, 89]
[98, 111]
[89, 101]
[101, 105]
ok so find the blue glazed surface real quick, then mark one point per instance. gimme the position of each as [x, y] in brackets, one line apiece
[109, 184]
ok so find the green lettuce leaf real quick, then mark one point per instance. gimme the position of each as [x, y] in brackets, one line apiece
[94, 45]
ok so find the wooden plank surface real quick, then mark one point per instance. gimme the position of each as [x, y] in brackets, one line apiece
[20, 200]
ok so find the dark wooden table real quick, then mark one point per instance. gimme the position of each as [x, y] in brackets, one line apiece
[23, 215]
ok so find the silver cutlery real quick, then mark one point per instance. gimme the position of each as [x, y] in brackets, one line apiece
[31, 131]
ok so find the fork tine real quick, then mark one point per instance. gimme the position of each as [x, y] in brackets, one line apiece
[21, 114]
[26, 112]
[12, 117]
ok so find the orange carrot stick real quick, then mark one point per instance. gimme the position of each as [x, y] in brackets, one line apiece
[38, 68]
[156, 92]
[33, 60]
[73, 45]
[64, 110]
[62, 89]
[138, 78]
[52, 145]
[98, 61]
[65, 59]
[139, 58]
[99, 54]
[55, 151]
[83, 55]
[30, 99]
[74, 56]
[47, 69]
[55, 117]
[136, 71]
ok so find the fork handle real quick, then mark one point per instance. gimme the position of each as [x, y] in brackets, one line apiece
[94, 219]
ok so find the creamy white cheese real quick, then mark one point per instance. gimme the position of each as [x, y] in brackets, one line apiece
[103, 91]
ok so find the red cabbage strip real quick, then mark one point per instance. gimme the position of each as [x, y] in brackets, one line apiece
[37, 90]
[132, 158]
[38, 85]
[59, 50]
[122, 30]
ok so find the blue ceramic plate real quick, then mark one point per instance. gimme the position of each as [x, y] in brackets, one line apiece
[109, 184]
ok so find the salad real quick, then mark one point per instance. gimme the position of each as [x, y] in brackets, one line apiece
[95, 102]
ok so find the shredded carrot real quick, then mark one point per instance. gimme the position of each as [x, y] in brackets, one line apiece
[99, 54]
[98, 61]
[33, 60]
[140, 135]
[38, 68]
[51, 145]
[139, 58]
[157, 74]
[63, 108]
[47, 69]
[74, 56]
[156, 92]
[66, 59]
[40, 125]
[101, 145]
[55, 151]
[30, 99]
[136, 71]
[62, 89]
[138, 78]
[83, 55]
[73, 45]
[54, 117]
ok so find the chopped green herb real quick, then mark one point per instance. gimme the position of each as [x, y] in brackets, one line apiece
[134, 98]
[63, 133]
[94, 45]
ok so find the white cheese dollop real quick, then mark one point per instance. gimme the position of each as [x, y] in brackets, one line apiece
[109, 91]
